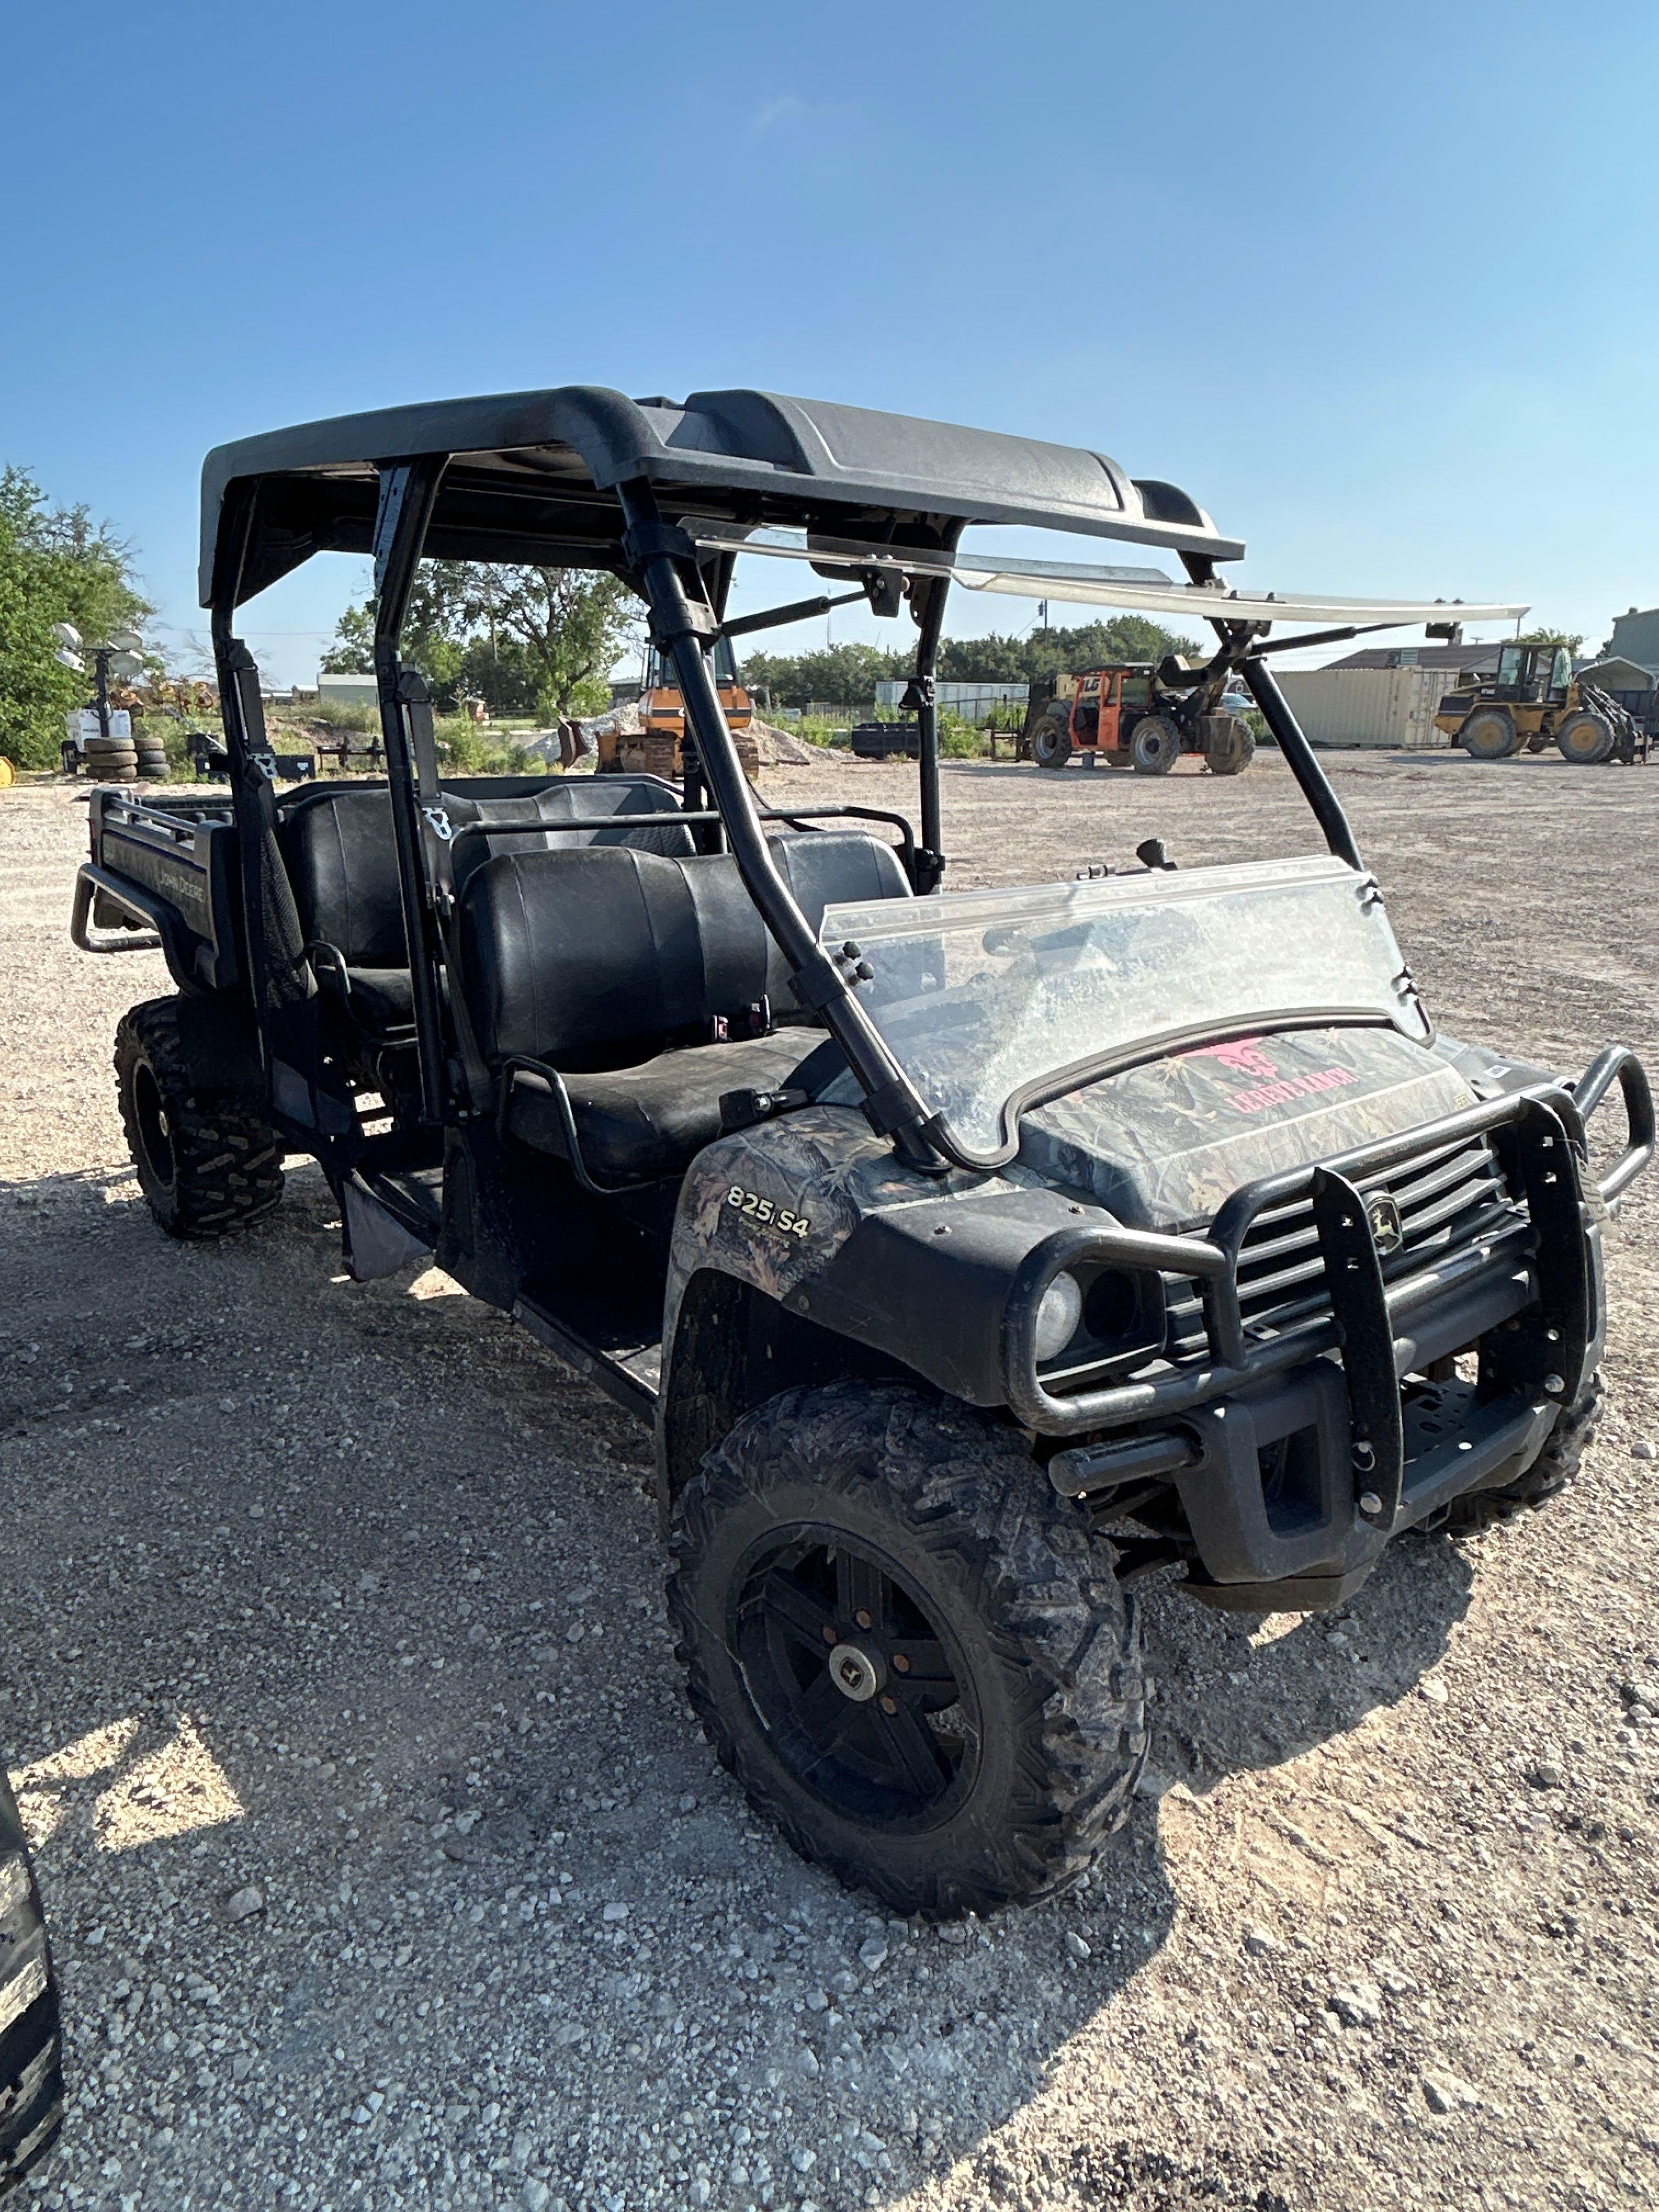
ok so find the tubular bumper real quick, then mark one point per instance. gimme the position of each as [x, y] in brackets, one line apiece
[1373, 1459]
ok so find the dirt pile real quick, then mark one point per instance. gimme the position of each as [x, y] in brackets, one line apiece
[780, 749]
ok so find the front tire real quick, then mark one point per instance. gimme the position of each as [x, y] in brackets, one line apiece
[1154, 746]
[1585, 739]
[208, 1163]
[1051, 743]
[916, 1659]
[1232, 754]
[1555, 1466]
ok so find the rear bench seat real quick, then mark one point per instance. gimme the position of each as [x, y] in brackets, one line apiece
[610, 965]
[337, 846]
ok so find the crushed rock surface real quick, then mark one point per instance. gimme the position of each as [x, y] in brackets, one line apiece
[385, 1867]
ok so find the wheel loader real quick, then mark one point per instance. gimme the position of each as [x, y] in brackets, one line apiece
[1534, 700]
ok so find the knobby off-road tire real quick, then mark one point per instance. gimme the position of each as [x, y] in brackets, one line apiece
[208, 1163]
[31, 2054]
[1051, 743]
[988, 1727]
[1233, 756]
[1154, 746]
[1552, 1471]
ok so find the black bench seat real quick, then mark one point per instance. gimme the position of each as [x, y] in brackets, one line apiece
[337, 844]
[618, 971]
[641, 1124]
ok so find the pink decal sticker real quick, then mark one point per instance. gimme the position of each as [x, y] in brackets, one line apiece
[1244, 1056]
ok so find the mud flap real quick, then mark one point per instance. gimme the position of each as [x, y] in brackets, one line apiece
[376, 1244]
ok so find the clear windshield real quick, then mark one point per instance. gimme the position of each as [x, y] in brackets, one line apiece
[992, 999]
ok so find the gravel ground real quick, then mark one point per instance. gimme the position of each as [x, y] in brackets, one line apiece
[387, 1868]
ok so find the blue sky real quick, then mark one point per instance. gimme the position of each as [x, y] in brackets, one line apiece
[1375, 284]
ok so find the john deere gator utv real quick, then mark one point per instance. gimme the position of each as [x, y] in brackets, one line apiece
[1533, 701]
[971, 1253]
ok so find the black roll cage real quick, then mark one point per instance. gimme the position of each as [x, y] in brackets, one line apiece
[684, 593]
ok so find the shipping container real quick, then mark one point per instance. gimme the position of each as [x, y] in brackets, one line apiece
[1383, 708]
[347, 690]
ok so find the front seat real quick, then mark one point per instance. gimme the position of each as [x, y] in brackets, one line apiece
[610, 990]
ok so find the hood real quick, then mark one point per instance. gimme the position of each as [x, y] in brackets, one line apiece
[1163, 1146]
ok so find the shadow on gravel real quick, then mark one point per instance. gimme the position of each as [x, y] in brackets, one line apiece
[370, 1806]
[1234, 1692]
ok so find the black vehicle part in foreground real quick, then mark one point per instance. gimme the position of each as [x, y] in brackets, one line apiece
[972, 1253]
[31, 2052]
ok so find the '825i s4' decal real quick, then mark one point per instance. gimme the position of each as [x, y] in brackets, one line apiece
[765, 1214]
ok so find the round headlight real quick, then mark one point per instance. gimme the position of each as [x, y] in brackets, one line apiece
[1058, 1316]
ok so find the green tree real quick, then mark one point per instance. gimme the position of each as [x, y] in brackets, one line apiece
[521, 638]
[55, 566]
[1573, 639]
[1046, 653]
[352, 652]
[570, 625]
[847, 674]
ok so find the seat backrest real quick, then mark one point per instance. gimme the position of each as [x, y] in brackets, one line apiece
[337, 846]
[596, 956]
[565, 798]
[575, 958]
[828, 867]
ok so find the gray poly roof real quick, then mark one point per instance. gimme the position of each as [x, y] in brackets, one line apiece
[535, 473]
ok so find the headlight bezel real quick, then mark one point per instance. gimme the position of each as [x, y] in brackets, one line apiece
[1122, 1322]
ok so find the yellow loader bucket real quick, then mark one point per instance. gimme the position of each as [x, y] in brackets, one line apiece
[8, 773]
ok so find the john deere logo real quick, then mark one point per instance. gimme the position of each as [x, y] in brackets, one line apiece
[1387, 1232]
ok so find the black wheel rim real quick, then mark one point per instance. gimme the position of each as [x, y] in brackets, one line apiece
[150, 1116]
[895, 1743]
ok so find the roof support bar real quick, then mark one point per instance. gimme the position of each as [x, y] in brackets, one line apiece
[797, 611]
[1302, 760]
[680, 629]
[930, 857]
[408, 491]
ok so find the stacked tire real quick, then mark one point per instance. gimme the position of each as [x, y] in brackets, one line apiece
[154, 767]
[110, 760]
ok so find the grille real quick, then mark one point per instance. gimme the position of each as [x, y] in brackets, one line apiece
[1447, 1199]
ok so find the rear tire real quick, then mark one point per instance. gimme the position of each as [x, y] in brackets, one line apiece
[1551, 1472]
[1154, 746]
[1489, 734]
[1051, 743]
[31, 2046]
[208, 1163]
[989, 1728]
[1585, 739]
